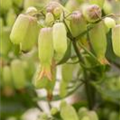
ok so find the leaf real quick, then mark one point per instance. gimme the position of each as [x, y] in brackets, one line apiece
[107, 94]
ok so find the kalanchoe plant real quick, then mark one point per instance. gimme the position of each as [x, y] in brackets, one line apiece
[67, 48]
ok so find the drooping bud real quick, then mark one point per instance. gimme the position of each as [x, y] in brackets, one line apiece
[100, 3]
[99, 41]
[25, 32]
[18, 74]
[77, 23]
[49, 20]
[109, 22]
[31, 36]
[5, 43]
[55, 8]
[59, 40]
[71, 112]
[116, 39]
[72, 5]
[31, 10]
[52, 5]
[92, 13]
[54, 111]
[19, 29]
[7, 76]
[107, 8]
[45, 51]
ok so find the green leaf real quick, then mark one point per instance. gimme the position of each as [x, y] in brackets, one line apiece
[107, 94]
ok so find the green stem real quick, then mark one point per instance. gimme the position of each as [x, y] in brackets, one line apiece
[89, 91]
[87, 84]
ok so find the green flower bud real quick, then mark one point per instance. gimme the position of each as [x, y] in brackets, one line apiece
[116, 40]
[49, 20]
[31, 36]
[107, 7]
[7, 76]
[59, 40]
[18, 74]
[86, 118]
[52, 5]
[31, 10]
[45, 41]
[82, 112]
[92, 13]
[109, 22]
[5, 43]
[22, 29]
[99, 41]
[25, 32]
[72, 5]
[54, 111]
[100, 3]
[46, 55]
[93, 115]
[78, 25]
[71, 112]
[11, 16]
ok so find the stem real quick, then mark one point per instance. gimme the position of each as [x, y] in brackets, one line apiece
[89, 92]
[87, 84]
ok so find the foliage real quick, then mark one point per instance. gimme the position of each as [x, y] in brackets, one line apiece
[77, 40]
